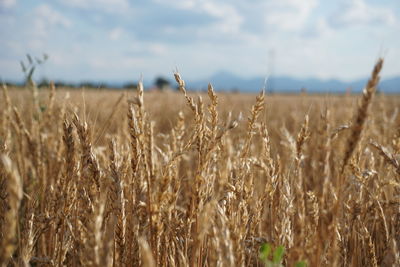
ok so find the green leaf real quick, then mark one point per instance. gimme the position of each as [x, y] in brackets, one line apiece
[278, 254]
[29, 58]
[38, 61]
[265, 250]
[23, 66]
[31, 73]
[301, 264]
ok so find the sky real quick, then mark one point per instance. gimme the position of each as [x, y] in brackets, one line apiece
[111, 40]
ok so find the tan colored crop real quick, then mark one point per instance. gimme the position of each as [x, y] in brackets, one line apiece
[179, 179]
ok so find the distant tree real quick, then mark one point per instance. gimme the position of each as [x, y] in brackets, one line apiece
[102, 85]
[130, 85]
[87, 84]
[162, 83]
[43, 83]
[13, 84]
[60, 84]
[93, 85]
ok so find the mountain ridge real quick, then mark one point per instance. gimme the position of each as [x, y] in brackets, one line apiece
[226, 81]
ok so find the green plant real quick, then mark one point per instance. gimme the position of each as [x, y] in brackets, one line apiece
[29, 67]
[277, 256]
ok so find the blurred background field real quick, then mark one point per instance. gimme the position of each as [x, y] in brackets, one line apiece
[107, 177]
[164, 106]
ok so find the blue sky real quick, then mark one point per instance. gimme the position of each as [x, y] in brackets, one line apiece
[114, 40]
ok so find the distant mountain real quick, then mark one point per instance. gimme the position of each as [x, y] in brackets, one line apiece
[391, 85]
[227, 81]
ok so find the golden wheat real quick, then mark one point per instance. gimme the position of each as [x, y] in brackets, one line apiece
[165, 179]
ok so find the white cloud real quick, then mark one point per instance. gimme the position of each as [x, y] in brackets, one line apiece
[358, 12]
[228, 17]
[115, 34]
[157, 49]
[317, 29]
[189, 4]
[138, 47]
[7, 3]
[59, 58]
[35, 44]
[110, 6]
[106, 64]
[290, 15]
[47, 16]
[201, 36]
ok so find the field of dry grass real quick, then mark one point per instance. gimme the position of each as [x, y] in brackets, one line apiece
[111, 178]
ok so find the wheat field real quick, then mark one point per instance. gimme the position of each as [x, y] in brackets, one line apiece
[137, 178]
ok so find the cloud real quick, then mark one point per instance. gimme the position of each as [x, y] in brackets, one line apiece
[316, 29]
[45, 18]
[200, 36]
[4, 4]
[115, 34]
[105, 64]
[226, 19]
[229, 19]
[358, 12]
[289, 15]
[108, 6]
[143, 49]
[157, 49]
[51, 16]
